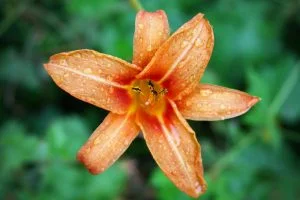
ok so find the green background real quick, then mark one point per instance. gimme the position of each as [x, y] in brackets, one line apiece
[255, 156]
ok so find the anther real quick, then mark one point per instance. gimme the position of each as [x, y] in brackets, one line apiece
[163, 91]
[137, 89]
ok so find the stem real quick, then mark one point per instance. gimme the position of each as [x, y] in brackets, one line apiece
[136, 4]
[284, 91]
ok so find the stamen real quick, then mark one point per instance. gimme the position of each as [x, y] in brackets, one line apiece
[163, 91]
[149, 95]
[137, 89]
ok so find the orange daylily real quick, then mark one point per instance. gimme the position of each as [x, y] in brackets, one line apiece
[153, 95]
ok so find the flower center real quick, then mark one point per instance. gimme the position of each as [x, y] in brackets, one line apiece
[149, 95]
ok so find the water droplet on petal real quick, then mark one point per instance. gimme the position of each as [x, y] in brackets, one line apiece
[149, 48]
[87, 70]
[184, 44]
[205, 92]
[160, 141]
[198, 42]
[97, 141]
[199, 105]
[141, 26]
[88, 150]
[126, 142]
[198, 187]
[222, 106]
[188, 103]
[63, 62]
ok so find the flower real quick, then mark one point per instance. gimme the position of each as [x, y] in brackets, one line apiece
[154, 95]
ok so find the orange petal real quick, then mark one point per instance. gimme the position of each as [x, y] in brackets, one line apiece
[175, 148]
[93, 77]
[151, 30]
[108, 142]
[180, 62]
[211, 102]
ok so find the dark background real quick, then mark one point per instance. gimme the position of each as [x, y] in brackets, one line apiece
[255, 156]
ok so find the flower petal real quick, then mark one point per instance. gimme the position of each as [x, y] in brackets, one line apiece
[211, 102]
[180, 62]
[93, 77]
[151, 30]
[108, 142]
[175, 148]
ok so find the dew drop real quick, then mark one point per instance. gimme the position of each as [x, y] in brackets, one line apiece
[87, 70]
[205, 92]
[188, 103]
[97, 141]
[66, 75]
[63, 62]
[184, 44]
[198, 187]
[109, 78]
[222, 106]
[160, 141]
[141, 26]
[88, 149]
[199, 105]
[126, 142]
[198, 43]
[181, 66]
[149, 48]
[208, 45]
[77, 55]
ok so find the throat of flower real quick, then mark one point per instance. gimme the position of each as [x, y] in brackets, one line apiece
[149, 96]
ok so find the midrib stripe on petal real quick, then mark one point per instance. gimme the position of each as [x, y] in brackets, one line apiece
[114, 134]
[182, 55]
[89, 76]
[175, 150]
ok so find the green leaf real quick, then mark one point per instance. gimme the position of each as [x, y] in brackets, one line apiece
[65, 136]
[17, 146]
[18, 70]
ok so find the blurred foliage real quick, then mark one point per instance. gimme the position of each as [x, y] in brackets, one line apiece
[255, 156]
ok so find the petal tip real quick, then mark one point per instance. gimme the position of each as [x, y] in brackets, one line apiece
[46, 66]
[81, 157]
[198, 190]
[253, 101]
